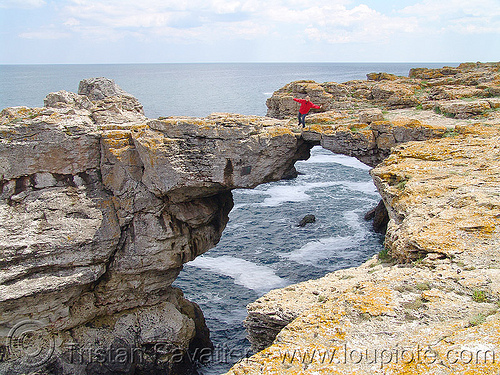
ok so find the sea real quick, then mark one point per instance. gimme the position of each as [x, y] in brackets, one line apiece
[262, 247]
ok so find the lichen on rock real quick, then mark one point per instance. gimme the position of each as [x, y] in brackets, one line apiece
[101, 207]
[429, 302]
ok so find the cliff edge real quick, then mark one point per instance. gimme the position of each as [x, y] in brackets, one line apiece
[99, 209]
[430, 302]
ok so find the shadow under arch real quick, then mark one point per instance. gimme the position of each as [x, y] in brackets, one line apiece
[262, 248]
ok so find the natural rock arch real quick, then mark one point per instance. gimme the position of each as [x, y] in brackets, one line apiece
[101, 207]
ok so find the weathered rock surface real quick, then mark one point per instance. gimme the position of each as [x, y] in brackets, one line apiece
[100, 208]
[471, 85]
[429, 303]
[370, 143]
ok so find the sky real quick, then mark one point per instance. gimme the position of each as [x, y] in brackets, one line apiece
[180, 31]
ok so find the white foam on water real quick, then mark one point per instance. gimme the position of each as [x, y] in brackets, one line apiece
[319, 157]
[281, 194]
[298, 193]
[367, 187]
[250, 275]
[325, 248]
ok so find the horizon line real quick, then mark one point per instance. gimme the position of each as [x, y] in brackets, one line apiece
[254, 62]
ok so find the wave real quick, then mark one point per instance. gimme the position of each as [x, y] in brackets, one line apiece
[312, 253]
[278, 194]
[346, 161]
[250, 275]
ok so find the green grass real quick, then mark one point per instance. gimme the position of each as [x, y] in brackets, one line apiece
[450, 133]
[384, 256]
[479, 296]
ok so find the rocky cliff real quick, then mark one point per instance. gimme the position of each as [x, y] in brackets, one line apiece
[101, 206]
[430, 302]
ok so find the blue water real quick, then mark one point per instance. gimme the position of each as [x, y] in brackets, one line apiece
[262, 248]
[182, 89]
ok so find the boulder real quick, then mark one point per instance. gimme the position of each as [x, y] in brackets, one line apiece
[99, 88]
[307, 220]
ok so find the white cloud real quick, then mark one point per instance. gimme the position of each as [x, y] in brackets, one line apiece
[338, 24]
[330, 21]
[71, 22]
[213, 32]
[327, 20]
[23, 4]
[456, 16]
[44, 34]
[449, 8]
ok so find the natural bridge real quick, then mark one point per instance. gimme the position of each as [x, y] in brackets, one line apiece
[101, 206]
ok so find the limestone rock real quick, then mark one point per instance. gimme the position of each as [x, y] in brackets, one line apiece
[381, 76]
[225, 152]
[32, 142]
[371, 115]
[369, 143]
[99, 88]
[464, 109]
[67, 99]
[433, 173]
[101, 207]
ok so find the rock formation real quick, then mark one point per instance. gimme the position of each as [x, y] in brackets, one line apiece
[430, 302]
[424, 88]
[100, 207]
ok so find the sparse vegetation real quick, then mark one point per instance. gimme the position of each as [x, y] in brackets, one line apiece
[418, 261]
[346, 277]
[384, 256]
[479, 296]
[402, 184]
[416, 304]
[423, 286]
[450, 133]
[477, 319]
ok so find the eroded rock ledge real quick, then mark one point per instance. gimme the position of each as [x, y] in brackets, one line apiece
[430, 302]
[100, 207]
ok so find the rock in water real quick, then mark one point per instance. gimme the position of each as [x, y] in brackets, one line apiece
[306, 220]
[379, 216]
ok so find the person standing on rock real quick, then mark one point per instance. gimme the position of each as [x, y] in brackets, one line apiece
[305, 107]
